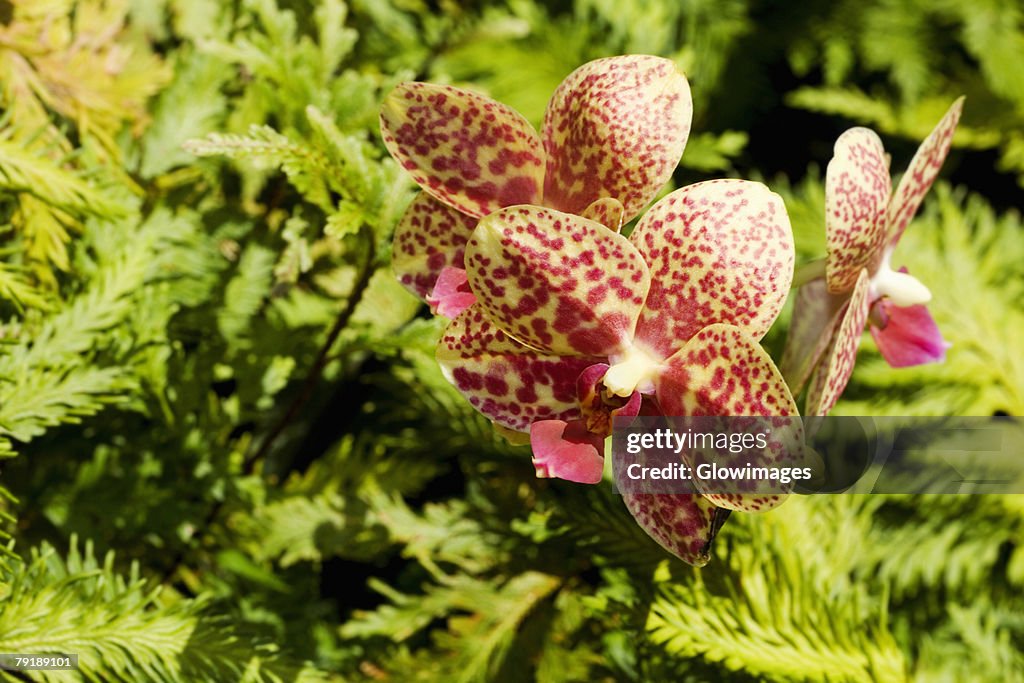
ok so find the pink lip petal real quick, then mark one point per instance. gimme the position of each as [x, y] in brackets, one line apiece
[857, 191]
[632, 406]
[451, 294]
[472, 153]
[615, 127]
[589, 381]
[566, 450]
[908, 335]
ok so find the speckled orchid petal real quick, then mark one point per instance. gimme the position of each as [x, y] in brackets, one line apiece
[506, 381]
[724, 372]
[607, 211]
[472, 153]
[451, 294]
[921, 173]
[719, 252]
[815, 317]
[683, 524]
[430, 237]
[615, 127]
[836, 365]
[557, 282]
[567, 450]
[857, 190]
[906, 335]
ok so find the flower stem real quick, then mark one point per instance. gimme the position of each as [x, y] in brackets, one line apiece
[807, 272]
[340, 323]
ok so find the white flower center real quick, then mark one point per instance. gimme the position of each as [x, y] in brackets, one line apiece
[902, 289]
[633, 370]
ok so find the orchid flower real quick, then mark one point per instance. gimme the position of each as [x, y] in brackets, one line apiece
[574, 323]
[613, 133]
[864, 222]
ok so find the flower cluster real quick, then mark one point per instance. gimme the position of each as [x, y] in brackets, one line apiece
[613, 133]
[864, 222]
[560, 323]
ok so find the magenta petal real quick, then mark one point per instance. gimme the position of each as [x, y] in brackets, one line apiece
[451, 294]
[631, 407]
[589, 381]
[908, 336]
[566, 450]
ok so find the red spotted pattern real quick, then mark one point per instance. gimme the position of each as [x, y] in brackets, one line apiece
[615, 127]
[506, 381]
[557, 282]
[836, 366]
[857, 189]
[921, 173]
[815, 317]
[471, 152]
[430, 237]
[719, 252]
[723, 372]
[681, 523]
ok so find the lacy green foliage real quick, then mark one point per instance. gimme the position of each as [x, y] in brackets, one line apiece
[122, 625]
[774, 608]
[186, 227]
[922, 55]
[68, 78]
[897, 583]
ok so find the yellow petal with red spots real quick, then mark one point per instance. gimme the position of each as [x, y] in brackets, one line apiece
[615, 127]
[471, 152]
[430, 237]
[836, 365]
[506, 381]
[557, 282]
[857, 190]
[607, 211]
[719, 252]
[723, 372]
[921, 173]
[683, 524]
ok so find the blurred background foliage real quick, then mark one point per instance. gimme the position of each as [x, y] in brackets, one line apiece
[227, 452]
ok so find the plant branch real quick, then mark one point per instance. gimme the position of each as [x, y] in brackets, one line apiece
[322, 359]
[308, 384]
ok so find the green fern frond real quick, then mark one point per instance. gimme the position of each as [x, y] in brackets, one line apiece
[246, 293]
[306, 168]
[15, 288]
[477, 612]
[121, 627]
[771, 609]
[26, 171]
